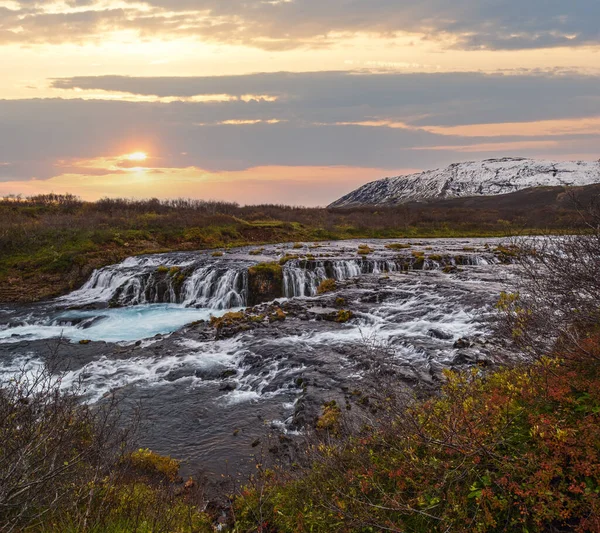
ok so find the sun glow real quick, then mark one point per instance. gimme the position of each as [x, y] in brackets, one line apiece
[137, 156]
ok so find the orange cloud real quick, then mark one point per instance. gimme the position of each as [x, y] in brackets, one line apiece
[589, 125]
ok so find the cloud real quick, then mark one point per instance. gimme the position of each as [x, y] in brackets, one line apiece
[387, 121]
[285, 24]
[441, 99]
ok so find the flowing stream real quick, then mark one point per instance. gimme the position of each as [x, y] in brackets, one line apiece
[142, 328]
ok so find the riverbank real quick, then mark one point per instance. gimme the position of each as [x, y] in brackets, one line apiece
[51, 245]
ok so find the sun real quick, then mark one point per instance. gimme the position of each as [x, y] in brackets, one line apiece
[137, 156]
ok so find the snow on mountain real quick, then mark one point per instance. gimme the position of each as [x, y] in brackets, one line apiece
[475, 178]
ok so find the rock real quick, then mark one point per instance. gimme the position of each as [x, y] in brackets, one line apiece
[462, 343]
[265, 283]
[440, 334]
[466, 357]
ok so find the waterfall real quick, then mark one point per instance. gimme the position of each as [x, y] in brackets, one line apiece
[194, 281]
[216, 289]
[302, 278]
[146, 280]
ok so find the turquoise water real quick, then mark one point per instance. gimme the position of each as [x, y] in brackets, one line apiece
[111, 325]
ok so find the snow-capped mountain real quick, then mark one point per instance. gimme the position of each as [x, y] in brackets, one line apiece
[475, 178]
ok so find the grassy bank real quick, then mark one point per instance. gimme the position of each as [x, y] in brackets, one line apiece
[50, 245]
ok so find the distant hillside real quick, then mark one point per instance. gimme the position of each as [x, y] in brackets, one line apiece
[477, 178]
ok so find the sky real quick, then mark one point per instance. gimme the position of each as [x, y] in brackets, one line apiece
[286, 101]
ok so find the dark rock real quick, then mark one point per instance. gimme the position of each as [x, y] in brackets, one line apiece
[462, 343]
[440, 334]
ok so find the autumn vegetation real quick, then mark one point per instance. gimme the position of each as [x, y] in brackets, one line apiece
[68, 468]
[513, 449]
[50, 244]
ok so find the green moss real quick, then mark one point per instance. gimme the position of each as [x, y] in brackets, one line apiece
[217, 254]
[364, 249]
[154, 464]
[277, 316]
[327, 285]
[344, 316]
[273, 269]
[397, 246]
[330, 419]
[228, 319]
[287, 258]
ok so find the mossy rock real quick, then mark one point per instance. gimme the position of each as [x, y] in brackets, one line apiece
[344, 316]
[330, 420]
[228, 319]
[277, 316]
[327, 285]
[397, 246]
[287, 258]
[265, 283]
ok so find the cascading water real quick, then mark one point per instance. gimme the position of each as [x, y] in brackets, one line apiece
[216, 289]
[302, 278]
[139, 281]
[158, 294]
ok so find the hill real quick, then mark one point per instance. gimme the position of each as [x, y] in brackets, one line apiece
[476, 178]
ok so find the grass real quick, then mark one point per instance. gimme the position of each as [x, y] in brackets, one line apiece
[49, 245]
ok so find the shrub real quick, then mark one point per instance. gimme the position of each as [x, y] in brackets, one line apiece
[512, 451]
[327, 285]
[151, 464]
[67, 467]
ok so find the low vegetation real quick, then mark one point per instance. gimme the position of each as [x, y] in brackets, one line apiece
[327, 285]
[65, 467]
[516, 449]
[50, 244]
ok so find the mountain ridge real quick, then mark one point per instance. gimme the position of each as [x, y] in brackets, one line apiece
[490, 177]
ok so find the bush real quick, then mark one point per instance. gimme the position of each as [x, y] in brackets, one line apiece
[327, 285]
[513, 451]
[68, 467]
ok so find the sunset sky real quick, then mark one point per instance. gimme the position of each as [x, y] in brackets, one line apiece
[286, 101]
